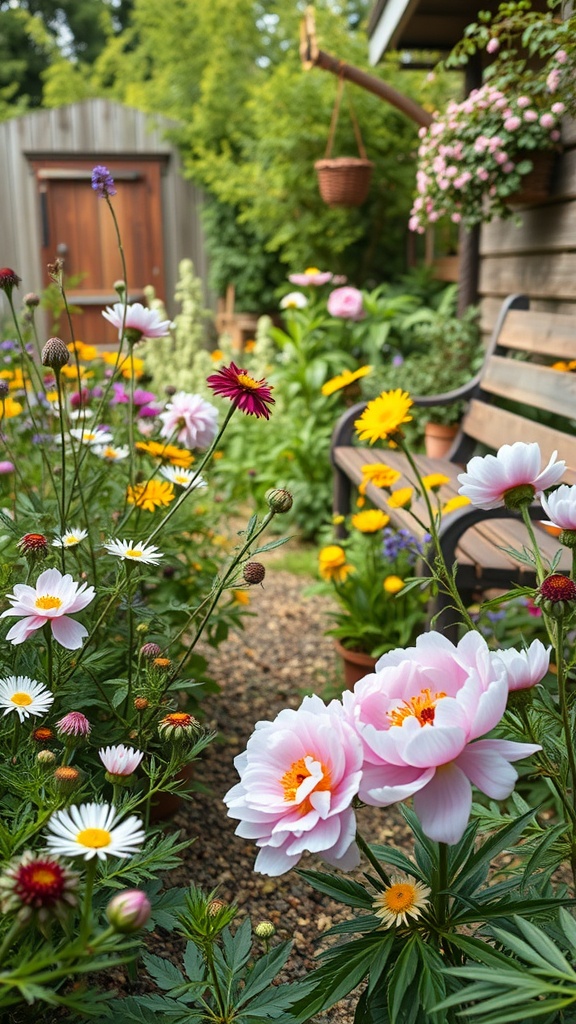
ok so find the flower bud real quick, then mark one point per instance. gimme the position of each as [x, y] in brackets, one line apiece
[8, 280]
[46, 758]
[556, 595]
[128, 911]
[215, 906]
[264, 930]
[119, 287]
[151, 651]
[254, 572]
[66, 778]
[279, 500]
[31, 300]
[141, 703]
[55, 354]
[33, 546]
[43, 734]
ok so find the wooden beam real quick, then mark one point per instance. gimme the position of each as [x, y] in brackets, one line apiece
[313, 57]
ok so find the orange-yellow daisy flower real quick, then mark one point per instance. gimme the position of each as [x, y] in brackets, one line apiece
[433, 481]
[393, 584]
[151, 495]
[179, 457]
[9, 408]
[379, 475]
[370, 520]
[401, 498]
[332, 564]
[402, 899]
[343, 379]
[384, 416]
[458, 501]
[84, 352]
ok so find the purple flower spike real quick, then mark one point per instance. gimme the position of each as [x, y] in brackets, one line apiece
[103, 182]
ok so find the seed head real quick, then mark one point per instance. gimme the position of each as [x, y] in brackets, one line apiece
[254, 572]
[4, 388]
[141, 703]
[55, 354]
[8, 280]
[31, 300]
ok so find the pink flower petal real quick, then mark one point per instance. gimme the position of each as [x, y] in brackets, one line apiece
[433, 747]
[68, 632]
[443, 806]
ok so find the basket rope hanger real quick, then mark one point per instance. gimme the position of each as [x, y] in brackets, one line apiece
[334, 121]
[312, 57]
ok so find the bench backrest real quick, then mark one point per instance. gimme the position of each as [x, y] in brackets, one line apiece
[519, 396]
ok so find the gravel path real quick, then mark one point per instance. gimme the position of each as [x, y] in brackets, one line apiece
[282, 655]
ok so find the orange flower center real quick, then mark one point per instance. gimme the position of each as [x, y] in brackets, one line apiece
[399, 897]
[47, 602]
[422, 707]
[296, 775]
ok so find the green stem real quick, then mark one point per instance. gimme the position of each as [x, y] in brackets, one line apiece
[16, 735]
[14, 930]
[86, 921]
[49, 657]
[566, 723]
[368, 853]
[441, 895]
[62, 457]
[540, 571]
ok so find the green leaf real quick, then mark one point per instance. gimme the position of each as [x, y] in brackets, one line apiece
[264, 971]
[165, 974]
[345, 890]
[401, 977]
[493, 845]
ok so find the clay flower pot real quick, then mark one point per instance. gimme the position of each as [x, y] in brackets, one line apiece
[357, 664]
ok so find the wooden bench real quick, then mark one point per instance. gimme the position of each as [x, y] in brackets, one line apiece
[514, 386]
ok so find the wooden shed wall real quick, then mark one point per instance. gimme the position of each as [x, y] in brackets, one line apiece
[538, 256]
[103, 130]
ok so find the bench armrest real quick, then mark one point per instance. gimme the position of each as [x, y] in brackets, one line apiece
[461, 520]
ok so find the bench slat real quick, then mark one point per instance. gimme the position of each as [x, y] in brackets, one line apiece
[534, 385]
[539, 333]
[493, 427]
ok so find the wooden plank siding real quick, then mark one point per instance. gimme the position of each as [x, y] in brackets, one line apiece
[534, 253]
[98, 130]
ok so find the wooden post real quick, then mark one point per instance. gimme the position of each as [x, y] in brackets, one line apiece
[312, 57]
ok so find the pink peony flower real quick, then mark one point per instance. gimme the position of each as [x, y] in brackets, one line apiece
[420, 717]
[298, 776]
[311, 276]
[51, 600]
[524, 668]
[145, 322]
[190, 420]
[347, 303]
[488, 478]
[560, 507]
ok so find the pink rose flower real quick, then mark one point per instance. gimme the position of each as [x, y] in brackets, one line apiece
[512, 123]
[421, 717]
[298, 776]
[347, 303]
[547, 120]
[489, 477]
[560, 56]
[190, 420]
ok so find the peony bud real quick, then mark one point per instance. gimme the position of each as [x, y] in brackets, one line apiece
[128, 911]
[279, 500]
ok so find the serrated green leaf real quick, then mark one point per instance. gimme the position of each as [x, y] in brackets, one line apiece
[344, 890]
[164, 973]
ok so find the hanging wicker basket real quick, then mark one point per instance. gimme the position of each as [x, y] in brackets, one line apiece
[344, 180]
[535, 186]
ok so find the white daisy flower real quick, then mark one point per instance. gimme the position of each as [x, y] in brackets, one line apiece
[402, 899]
[81, 414]
[94, 830]
[183, 477]
[70, 538]
[25, 696]
[135, 550]
[86, 436]
[110, 452]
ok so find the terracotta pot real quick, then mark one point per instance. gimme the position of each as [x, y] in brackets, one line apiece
[357, 664]
[165, 805]
[438, 439]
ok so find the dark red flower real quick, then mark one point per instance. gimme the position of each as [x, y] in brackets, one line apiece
[251, 396]
[8, 280]
[558, 588]
[34, 544]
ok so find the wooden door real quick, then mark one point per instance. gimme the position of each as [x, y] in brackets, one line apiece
[77, 226]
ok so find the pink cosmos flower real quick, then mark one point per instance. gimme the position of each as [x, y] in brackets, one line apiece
[298, 776]
[347, 303]
[492, 45]
[74, 724]
[139, 318]
[560, 507]
[120, 760]
[488, 477]
[6, 467]
[190, 420]
[51, 600]
[420, 717]
[524, 668]
[311, 276]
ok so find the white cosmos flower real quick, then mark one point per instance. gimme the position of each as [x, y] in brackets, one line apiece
[136, 317]
[86, 436]
[120, 760]
[135, 550]
[52, 600]
[183, 477]
[81, 414]
[110, 452]
[560, 506]
[25, 696]
[93, 830]
[70, 538]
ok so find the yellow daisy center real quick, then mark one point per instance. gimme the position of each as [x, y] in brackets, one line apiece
[21, 699]
[247, 382]
[399, 897]
[47, 602]
[94, 838]
[311, 270]
[133, 553]
[422, 707]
